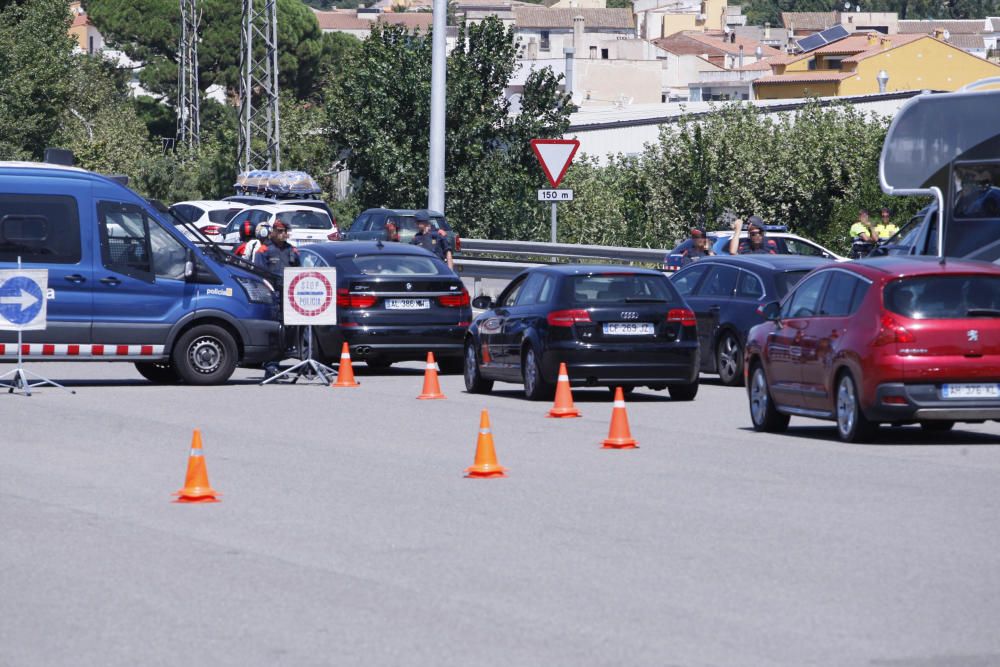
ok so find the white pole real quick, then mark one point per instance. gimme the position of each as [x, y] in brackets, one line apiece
[439, 72]
[554, 222]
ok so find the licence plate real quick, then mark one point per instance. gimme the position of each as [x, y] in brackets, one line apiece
[628, 329]
[407, 304]
[970, 391]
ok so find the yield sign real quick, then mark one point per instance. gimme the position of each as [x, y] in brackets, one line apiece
[555, 156]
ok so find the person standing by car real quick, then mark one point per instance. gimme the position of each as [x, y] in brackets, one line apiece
[391, 231]
[863, 235]
[279, 253]
[886, 229]
[755, 243]
[699, 247]
[428, 239]
[249, 250]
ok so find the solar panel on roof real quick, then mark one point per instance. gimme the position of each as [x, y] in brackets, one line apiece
[810, 43]
[828, 36]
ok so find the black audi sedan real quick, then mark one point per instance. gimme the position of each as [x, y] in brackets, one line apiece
[395, 302]
[725, 293]
[611, 326]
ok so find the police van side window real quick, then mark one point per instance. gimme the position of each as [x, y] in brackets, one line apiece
[42, 229]
[124, 231]
[169, 255]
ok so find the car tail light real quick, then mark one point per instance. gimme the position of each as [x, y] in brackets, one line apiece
[567, 318]
[894, 400]
[333, 236]
[682, 315]
[891, 331]
[348, 300]
[455, 300]
[458, 243]
[211, 230]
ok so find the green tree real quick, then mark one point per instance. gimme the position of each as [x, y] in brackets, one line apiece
[36, 60]
[489, 167]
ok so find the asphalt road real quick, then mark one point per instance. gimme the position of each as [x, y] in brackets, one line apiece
[347, 534]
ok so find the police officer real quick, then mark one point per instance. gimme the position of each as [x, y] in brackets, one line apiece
[699, 247]
[279, 253]
[436, 241]
[756, 243]
[886, 229]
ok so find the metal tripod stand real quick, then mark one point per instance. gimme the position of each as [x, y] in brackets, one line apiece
[21, 380]
[308, 368]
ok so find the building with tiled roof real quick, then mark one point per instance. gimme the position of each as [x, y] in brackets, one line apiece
[851, 66]
[806, 23]
[926, 27]
[359, 23]
[802, 24]
[528, 17]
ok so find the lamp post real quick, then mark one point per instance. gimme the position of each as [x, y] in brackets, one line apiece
[439, 59]
[883, 80]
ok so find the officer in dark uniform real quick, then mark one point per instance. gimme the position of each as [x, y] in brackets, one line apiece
[436, 241]
[274, 256]
[699, 247]
[278, 252]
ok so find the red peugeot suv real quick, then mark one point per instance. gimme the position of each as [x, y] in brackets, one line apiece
[891, 340]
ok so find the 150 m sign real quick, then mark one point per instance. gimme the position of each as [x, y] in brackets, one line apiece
[555, 195]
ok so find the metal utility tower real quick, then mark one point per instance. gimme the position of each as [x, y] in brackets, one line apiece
[259, 122]
[188, 107]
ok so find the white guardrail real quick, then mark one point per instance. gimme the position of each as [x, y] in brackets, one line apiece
[483, 258]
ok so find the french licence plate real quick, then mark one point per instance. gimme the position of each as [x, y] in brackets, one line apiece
[407, 304]
[628, 328]
[970, 391]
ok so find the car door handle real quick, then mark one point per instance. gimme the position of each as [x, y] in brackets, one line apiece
[75, 278]
[114, 282]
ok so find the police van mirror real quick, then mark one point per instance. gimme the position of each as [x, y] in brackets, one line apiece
[190, 266]
[482, 302]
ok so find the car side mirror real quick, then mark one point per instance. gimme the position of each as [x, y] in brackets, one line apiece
[190, 266]
[482, 302]
[770, 311]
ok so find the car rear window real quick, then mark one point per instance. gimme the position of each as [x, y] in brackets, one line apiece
[944, 297]
[306, 219]
[223, 215]
[396, 265]
[608, 288]
[786, 280]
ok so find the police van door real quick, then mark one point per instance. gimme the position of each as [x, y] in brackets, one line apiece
[140, 291]
[44, 231]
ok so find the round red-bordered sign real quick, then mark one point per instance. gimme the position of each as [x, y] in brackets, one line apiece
[310, 294]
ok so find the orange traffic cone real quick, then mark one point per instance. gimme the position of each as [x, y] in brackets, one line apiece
[619, 436]
[431, 387]
[563, 407]
[486, 457]
[345, 371]
[487, 359]
[196, 487]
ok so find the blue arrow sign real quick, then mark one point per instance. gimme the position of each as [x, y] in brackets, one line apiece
[21, 300]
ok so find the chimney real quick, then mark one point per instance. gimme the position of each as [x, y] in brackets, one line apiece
[570, 83]
[741, 56]
[873, 38]
[531, 52]
[578, 34]
[767, 31]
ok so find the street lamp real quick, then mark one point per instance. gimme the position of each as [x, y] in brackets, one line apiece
[883, 80]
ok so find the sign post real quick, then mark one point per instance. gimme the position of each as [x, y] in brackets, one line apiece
[309, 296]
[23, 307]
[555, 156]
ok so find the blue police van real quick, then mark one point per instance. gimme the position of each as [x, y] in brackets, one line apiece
[125, 285]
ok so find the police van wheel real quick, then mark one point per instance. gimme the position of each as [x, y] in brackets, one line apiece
[205, 354]
[158, 372]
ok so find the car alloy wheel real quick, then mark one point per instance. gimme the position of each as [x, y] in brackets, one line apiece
[852, 425]
[729, 361]
[535, 387]
[759, 398]
[474, 381]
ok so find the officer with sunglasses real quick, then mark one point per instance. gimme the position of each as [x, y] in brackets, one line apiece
[755, 243]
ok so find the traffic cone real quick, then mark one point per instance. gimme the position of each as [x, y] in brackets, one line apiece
[563, 406]
[345, 371]
[432, 389]
[486, 457]
[619, 436]
[196, 487]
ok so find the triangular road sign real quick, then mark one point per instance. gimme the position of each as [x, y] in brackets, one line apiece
[555, 156]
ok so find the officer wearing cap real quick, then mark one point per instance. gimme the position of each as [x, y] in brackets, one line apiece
[436, 241]
[755, 243]
[699, 247]
[278, 253]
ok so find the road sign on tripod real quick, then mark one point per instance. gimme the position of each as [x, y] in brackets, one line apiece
[309, 296]
[22, 299]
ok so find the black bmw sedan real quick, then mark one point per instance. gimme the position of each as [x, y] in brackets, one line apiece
[611, 326]
[725, 292]
[395, 302]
